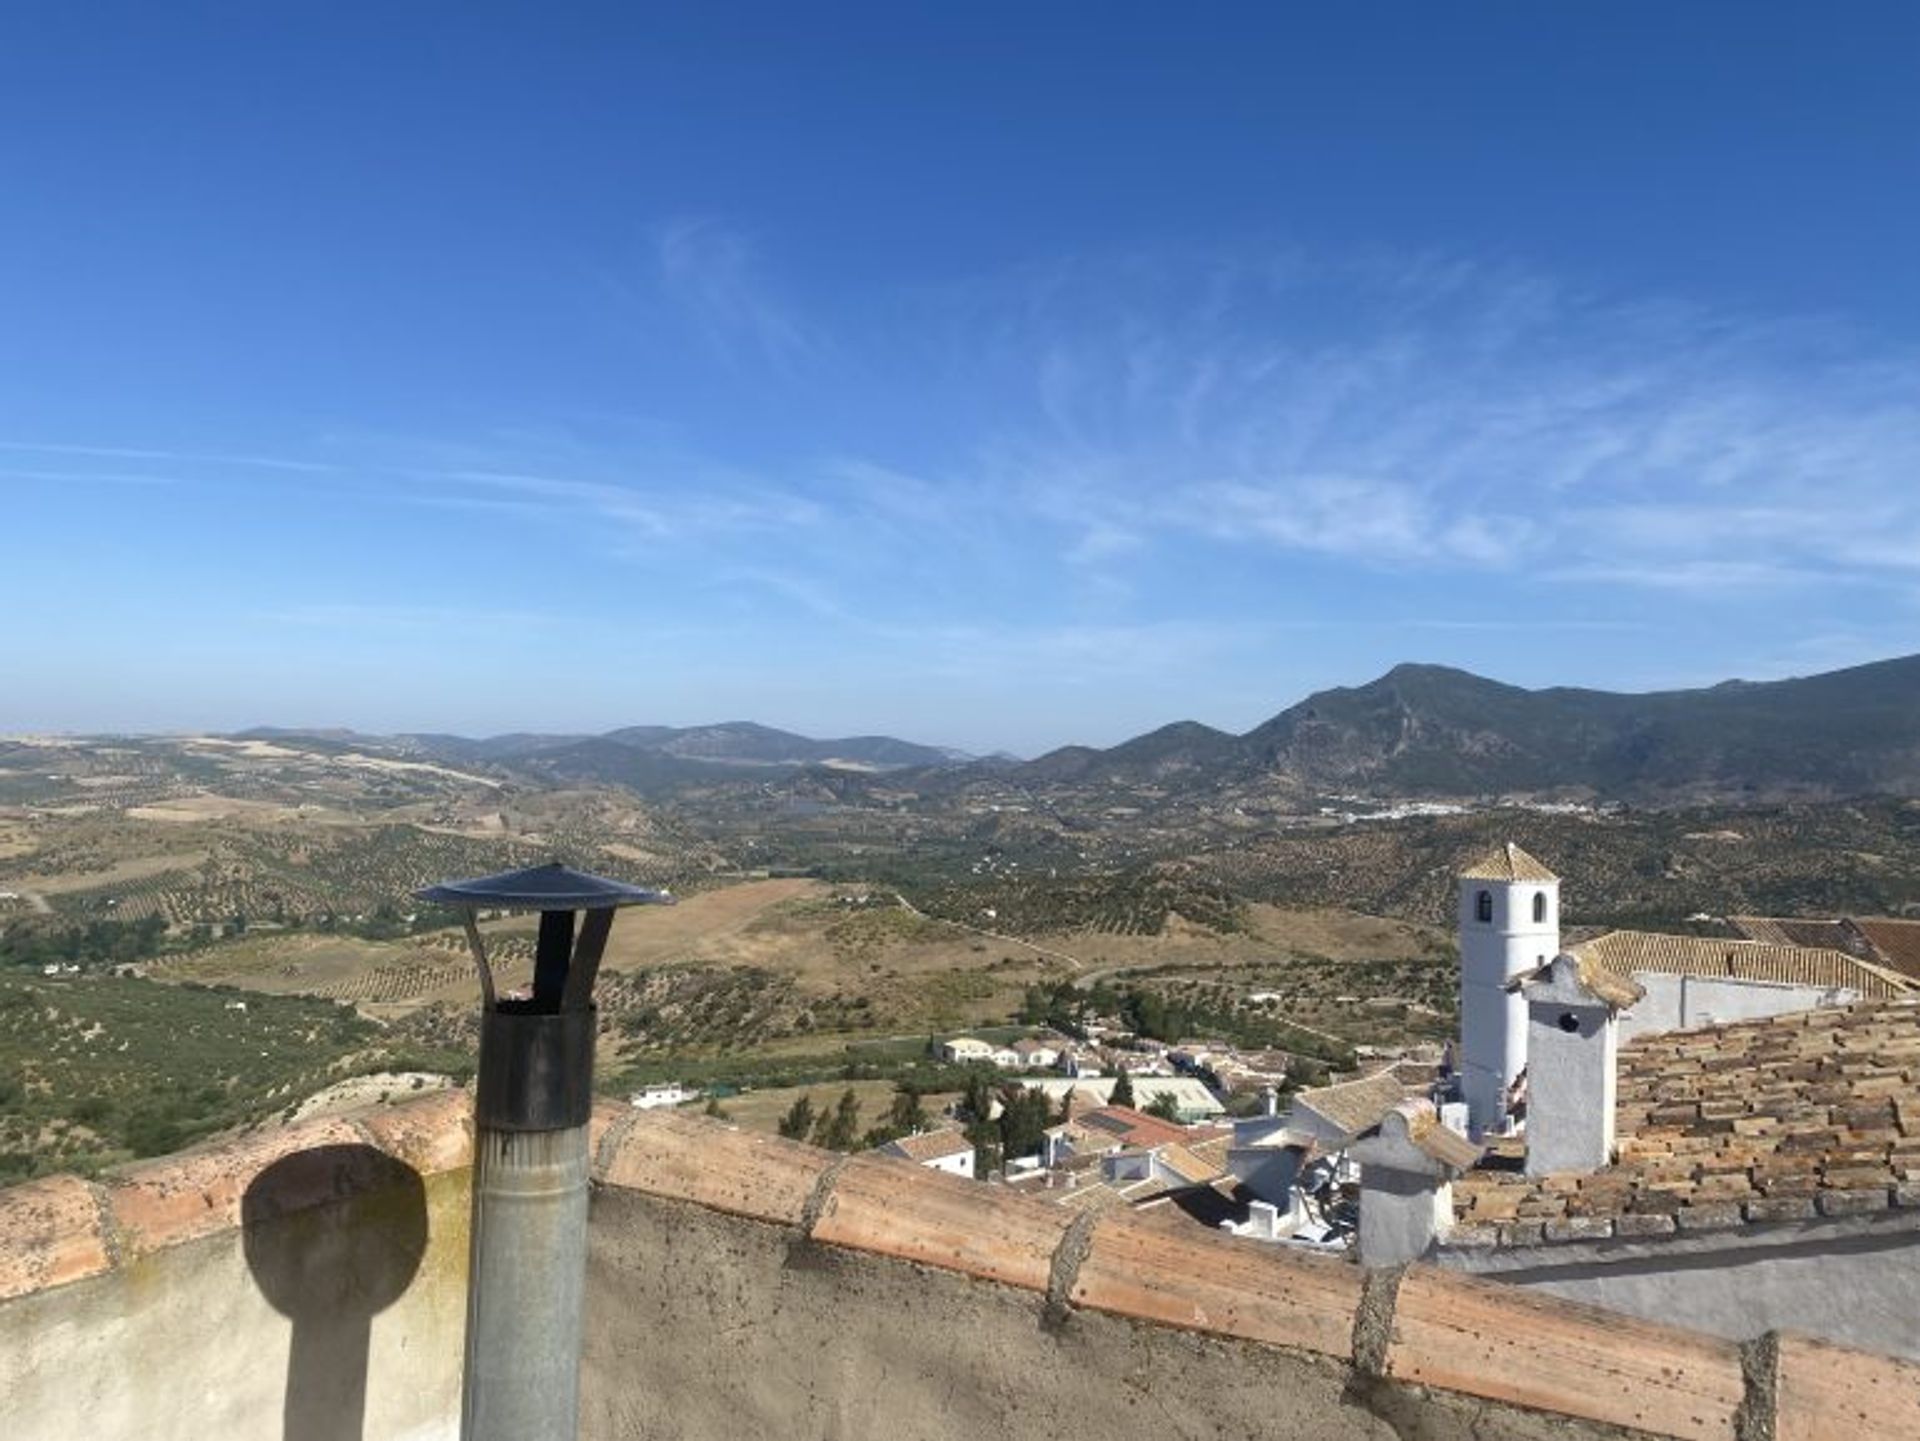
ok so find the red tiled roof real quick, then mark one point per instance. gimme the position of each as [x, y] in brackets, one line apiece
[1137, 1128]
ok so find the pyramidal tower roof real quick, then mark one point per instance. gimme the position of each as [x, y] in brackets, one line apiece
[1507, 863]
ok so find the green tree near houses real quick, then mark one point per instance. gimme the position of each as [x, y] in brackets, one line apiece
[838, 1129]
[905, 1114]
[985, 1136]
[1122, 1094]
[976, 1098]
[1024, 1117]
[797, 1124]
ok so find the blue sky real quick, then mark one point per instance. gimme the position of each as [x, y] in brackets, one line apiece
[992, 375]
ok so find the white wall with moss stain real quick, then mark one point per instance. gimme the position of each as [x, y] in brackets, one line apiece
[184, 1345]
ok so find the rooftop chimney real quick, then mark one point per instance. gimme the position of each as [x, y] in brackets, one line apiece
[1573, 1009]
[1407, 1165]
[532, 1100]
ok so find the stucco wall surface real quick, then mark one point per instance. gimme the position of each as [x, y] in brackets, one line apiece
[703, 1327]
[188, 1343]
[1676, 1003]
[1859, 1285]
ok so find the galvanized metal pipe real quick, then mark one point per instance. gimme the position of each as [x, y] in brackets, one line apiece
[527, 1286]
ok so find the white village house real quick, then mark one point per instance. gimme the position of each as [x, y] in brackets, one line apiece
[945, 1150]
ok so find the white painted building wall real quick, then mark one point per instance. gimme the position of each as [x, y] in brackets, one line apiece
[655, 1097]
[1685, 1003]
[1493, 1018]
[960, 1163]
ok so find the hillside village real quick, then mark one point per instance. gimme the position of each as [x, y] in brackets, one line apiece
[1721, 1130]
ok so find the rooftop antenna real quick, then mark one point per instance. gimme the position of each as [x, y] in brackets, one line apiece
[532, 1101]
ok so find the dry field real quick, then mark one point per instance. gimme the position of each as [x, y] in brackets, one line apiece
[763, 1110]
[874, 967]
[119, 873]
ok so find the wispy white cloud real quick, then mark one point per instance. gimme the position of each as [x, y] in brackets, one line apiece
[89, 477]
[1437, 415]
[684, 509]
[711, 272]
[186, 458]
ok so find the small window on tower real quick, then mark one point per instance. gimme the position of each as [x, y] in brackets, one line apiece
[1539, 907]
[1483, 906]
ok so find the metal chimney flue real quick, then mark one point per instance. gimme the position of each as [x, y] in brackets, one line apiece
[533, 1098]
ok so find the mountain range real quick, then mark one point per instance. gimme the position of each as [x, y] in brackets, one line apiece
[1424, 730]
[1417, 731]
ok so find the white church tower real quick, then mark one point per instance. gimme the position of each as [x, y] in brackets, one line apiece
[1509, 926]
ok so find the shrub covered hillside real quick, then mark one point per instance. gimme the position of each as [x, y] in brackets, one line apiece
[98, 1069]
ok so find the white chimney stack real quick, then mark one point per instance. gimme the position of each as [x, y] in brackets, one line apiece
[1572, 1045]
[1407, 1165]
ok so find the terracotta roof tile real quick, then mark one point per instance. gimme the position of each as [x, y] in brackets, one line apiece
[432, 1134]
[1355, 1106]
[1506, 863]
[1628, 952]
[1757, 1121]
[1517, 1346]
[717, 1166]
[1897, 942]
[1188, 1166]
[1183, 1277]
[181, 1198]
[1829, 935]
[1442, 1143]
[1828, 1391]
[897, 1208]
[929, 1145]
[51, 1232]
[1137, 1128]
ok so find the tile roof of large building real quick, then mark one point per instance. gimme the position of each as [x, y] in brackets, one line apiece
[1832, 935]
[1354, 1106]
[1889, 941]
[1507, 863]
[1811, 1114]
[1896, 941]
[1630, 952]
